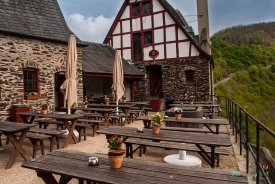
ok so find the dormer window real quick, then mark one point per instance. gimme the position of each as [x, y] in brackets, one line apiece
[136, 10]
[146, 8]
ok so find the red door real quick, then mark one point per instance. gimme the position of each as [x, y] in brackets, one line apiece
[155, 82]
[59, 97]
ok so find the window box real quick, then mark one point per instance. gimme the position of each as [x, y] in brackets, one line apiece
[32, 97]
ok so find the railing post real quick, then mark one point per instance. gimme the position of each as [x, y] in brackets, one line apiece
[240, 130]
[246, 143]
[257, 152]
[235, 123]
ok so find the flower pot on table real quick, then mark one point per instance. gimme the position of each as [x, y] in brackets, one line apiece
[44, 111]
[155, 129]
[178, 116]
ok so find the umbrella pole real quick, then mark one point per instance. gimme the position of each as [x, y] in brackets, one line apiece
[117, 108]
[69, 110]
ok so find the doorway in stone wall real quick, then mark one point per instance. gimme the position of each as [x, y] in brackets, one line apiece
[59, 97]
[155, 81]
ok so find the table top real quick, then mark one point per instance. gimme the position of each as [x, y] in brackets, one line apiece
[7, 126]
[92, 109]
[167, 135]
[134, 102]
[195, 102]
[111, 105]
[191, 120]
[51, 115]
[74, 164]
[194, 105]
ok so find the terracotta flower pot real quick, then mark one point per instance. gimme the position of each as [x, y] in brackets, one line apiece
[85, 106]
[115, 161]
[178, 116]
[107, 103]
[44, 111]
[191, 102]
[155, 129]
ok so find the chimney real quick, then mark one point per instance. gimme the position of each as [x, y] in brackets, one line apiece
[203, 25]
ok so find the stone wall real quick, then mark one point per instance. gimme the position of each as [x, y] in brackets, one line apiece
[18, 53]
[174, 86]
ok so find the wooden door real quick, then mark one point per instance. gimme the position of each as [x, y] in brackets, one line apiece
[59, 97]
[155, 81]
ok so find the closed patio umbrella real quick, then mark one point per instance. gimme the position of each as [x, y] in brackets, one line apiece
[118, 86]
[69, 85]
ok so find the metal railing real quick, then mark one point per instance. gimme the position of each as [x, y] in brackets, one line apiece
[240, 121]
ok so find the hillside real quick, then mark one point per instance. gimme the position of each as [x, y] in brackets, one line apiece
[238, 50]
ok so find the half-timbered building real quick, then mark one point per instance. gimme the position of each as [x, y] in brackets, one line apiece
[156, 38]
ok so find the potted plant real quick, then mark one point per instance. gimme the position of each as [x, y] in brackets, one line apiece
[32, 96]
[156, 122]
[85, 104]
[115, 153]
[124, 98]
[44, 108]
[192, 99]
[107, 100]
[178, 112]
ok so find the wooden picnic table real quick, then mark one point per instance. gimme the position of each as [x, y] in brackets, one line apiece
[105, 112]
[195, 102]
[73, 164]
[10, 129]
[124, 107]
[211, 140]
[206, 122]
[65, 118]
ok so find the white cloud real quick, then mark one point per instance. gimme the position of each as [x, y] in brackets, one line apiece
[90, 28]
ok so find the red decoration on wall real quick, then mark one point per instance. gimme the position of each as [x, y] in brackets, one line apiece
[153, 54]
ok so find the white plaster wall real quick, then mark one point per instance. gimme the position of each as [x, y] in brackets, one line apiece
[147, 22]
[171, 50]
[168, 19]
[136, 24]
[158, 35]
[126, 26]
[170, 34]
[116, 42]
[160, 48]
[117, 29]
[181, 35]
[126, 40]
[184, 49]
[126, 53]
[126, 13]
[157, 6]
[146, 51]
[158, 20]
[194, 51]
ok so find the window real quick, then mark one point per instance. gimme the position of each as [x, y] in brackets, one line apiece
[136, 9]
[30, 80]
[189, 76]
[137, 47]
[148, 37]
[146, 8]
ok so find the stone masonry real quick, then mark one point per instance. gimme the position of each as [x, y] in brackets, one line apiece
[174, 86]
[20, 52]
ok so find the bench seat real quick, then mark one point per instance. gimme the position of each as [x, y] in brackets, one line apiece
[94, 123]
[35, 138]
[45, 123]
[54, 135]
[169, 145]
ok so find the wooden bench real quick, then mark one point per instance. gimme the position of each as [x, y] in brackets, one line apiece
[93, 123]
[142, 143]
[35, 138]
[81, 128]
[117, 119]
[45, 123]
[54, 136]
[133, 114]
[222, 129]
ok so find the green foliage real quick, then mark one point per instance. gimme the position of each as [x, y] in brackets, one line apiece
[252, 58]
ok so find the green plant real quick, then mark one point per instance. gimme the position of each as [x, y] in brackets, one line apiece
[115, 144]
[156, 119]
[85, 103]
[124, 98]
[177, 110]
[106, 99]
[32, 94]
[192, 97]
[44, 106]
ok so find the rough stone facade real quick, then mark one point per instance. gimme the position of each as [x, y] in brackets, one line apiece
[174, 86]
[20, 52]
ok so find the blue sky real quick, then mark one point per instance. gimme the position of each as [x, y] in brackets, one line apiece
[90, 20]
